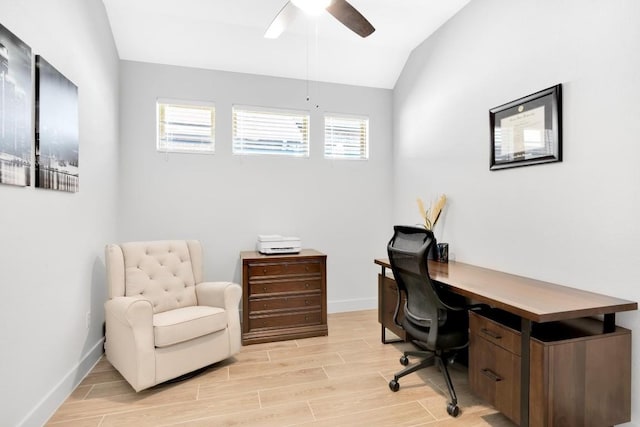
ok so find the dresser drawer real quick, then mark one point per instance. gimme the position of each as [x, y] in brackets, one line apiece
[494, 375]
[282, 286]
[495, 332]
[290, 320]
[284, 303]
[284, 269]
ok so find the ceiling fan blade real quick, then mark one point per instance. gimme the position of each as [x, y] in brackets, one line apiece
[282, 20]
[350, 17]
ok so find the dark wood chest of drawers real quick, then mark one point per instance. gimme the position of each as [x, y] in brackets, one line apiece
[284, 296]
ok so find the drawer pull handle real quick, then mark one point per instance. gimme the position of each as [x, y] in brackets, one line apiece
[265, 306]
[306, 317]
[264, 288]
[306, 268]
[491, 333]
[264, 270]
[491, 375]
[306, 285]
[306, 302]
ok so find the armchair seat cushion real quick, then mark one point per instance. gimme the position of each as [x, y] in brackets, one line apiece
[186, 323]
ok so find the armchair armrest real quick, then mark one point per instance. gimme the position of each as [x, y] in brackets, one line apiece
[225, 295]
[129, 342]
[219, 294]
[131, 311]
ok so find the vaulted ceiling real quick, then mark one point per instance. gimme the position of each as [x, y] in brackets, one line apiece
[228, 35]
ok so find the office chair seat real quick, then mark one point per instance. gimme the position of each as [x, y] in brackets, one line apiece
[449, 337]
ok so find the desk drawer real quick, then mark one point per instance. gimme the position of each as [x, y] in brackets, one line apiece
[494, 375]
[495, 332]
[289, 320]
[284, 269]
[285, 286]
[282, 303]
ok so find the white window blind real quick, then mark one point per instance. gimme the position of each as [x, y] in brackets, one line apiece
[346, 137]
[269, 131]
[186, 127]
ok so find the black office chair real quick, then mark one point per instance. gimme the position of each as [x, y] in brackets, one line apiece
[436, 320]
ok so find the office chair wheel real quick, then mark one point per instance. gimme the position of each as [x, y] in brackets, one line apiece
[394, 385]
[404, 360]
[452, 409]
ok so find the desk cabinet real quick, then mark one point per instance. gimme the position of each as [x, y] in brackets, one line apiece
[284, 296]
[579, 376]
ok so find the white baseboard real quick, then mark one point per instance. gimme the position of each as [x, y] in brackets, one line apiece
[52, 401]
[352, 305]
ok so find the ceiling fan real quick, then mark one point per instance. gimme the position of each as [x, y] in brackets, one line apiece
[340, 9]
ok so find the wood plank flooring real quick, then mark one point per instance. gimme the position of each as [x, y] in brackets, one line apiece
[338, 380]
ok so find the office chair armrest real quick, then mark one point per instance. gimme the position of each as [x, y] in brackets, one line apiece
[478, 307]
[397, 310]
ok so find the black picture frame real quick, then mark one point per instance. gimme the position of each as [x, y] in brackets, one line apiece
[527, 131]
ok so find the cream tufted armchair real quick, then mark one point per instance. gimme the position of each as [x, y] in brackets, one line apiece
[162, 320]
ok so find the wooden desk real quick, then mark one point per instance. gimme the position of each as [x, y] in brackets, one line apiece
[533, 301]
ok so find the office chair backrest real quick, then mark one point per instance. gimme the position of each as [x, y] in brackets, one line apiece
[407, 250]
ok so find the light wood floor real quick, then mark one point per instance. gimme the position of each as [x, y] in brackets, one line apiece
[339, 380]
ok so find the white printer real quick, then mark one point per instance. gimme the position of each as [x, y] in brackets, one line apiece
[276, 244]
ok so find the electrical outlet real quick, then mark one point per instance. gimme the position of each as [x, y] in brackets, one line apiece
[88, 319]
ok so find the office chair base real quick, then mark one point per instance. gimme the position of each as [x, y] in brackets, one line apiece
[441, 362]
[453, 410]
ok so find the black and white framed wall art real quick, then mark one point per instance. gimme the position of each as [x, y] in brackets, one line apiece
[57, 143]
[16, 121]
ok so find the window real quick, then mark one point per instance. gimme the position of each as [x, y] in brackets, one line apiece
[186, 127]
[268, 131]
[346, 137]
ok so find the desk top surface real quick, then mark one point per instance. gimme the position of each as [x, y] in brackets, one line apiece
[532, 299]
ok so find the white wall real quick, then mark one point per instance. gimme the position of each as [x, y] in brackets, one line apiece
[575, 222]
[225, 201]
[51, 243]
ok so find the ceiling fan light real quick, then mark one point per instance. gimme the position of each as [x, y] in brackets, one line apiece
[312, 7]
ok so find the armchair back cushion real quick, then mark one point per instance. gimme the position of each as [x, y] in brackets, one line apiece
[160, 271]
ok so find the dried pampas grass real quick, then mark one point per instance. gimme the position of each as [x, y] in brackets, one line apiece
[431, 215]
